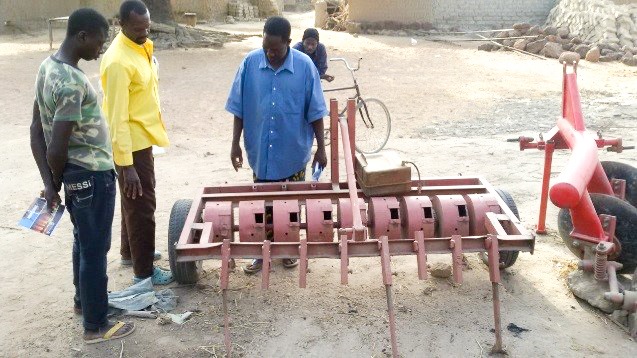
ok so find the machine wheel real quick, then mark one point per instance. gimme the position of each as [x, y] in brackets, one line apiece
[617, 170]
[184, 272]
[625, 232]
[373, 125]
[507, 258]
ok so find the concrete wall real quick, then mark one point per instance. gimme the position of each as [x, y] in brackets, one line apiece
[464, 14]
[477, 14]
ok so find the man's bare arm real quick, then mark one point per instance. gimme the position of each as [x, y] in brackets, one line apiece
[320, 157]
[236, 156]
[58, 151]
[39, 151]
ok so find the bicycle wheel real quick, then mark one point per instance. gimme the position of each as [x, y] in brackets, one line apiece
[373, 125]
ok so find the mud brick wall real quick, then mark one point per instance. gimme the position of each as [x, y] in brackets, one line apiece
[463, 14]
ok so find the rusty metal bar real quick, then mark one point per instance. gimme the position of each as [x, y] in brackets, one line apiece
[357, 226]
[335, 194]
[195, 209]
[265, 268]
[456, 257]
[367, 248]
[385, 260]
[494, 276]
[225, 273]
[334, 168]
[344, 259]
[421, 255]
[303, 263]
[546, 178]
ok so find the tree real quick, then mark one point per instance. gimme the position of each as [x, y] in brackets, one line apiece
[160, 10]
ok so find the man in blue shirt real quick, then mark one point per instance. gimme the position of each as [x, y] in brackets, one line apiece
[277, 102]
[311, 46]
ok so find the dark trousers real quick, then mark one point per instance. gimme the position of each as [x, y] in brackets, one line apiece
[90, 200]
[138, 216]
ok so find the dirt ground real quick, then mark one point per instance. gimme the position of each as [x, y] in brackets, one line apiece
[452, 109]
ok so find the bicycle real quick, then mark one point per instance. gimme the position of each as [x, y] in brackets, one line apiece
[371, 136]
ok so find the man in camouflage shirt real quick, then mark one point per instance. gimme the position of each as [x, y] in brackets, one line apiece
[71, 145]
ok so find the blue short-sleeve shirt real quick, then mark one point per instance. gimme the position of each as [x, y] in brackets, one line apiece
[277, 108]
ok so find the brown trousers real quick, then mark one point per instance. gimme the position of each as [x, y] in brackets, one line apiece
[138, 216]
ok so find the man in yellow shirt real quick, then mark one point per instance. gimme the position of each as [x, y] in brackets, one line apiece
[131, 105]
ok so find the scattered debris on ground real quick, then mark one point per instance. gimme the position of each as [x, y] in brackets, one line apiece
[167, 36]
[551, 42]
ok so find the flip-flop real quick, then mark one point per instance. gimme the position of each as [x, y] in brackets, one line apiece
[111, 334]
[290, 263]
[253, 268]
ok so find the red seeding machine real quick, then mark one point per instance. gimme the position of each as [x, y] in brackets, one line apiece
[379, 211]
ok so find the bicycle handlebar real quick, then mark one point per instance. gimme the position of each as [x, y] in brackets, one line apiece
[358, 65]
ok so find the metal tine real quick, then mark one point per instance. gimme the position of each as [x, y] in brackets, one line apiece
[344, 260]
[265, 268]
[303, 263]
[456, 257]
[421, 255]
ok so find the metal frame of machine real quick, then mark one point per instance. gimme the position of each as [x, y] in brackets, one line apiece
[593, 233]
[335, 220]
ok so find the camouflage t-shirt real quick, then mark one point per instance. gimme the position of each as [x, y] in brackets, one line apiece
[64, 93]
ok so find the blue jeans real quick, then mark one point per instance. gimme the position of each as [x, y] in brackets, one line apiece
[90, 200]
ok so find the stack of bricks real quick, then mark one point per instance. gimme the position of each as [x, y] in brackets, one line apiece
[242, 10]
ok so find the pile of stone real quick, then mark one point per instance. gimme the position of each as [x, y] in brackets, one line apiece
[175, 36]
[551, 42]
[597, 21]
[243, 11]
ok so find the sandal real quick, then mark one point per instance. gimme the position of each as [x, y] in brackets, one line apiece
[159, 277]
[254, 267]
[290, 263]
[117, 331]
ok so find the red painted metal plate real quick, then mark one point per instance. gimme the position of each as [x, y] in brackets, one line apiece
[451, 214]
[479, 205]
[417, 215]
[345, 214]
[385, 218]
[252, 221]
[219, 213]
[286, 218]
[320, 222]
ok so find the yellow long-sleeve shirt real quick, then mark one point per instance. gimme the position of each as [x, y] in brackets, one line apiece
[131, 98]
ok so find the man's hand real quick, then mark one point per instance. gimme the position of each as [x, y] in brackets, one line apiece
[52, 198]
[236, 156]
[321, 158]
[327, 77]
[132, 184]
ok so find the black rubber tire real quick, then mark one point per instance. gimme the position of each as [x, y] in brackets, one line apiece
[617, 170]
[184, 272]
[625, 231]
[507, 258]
